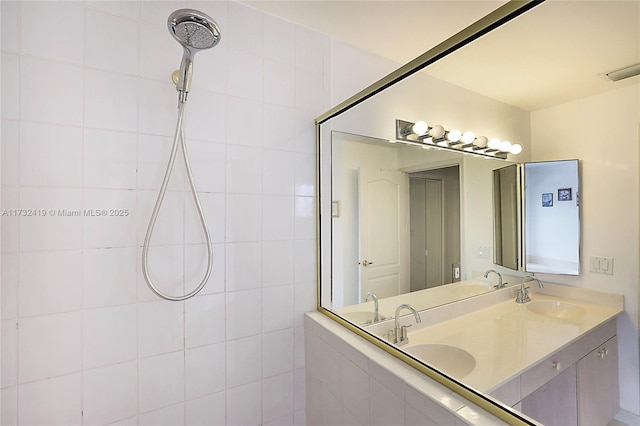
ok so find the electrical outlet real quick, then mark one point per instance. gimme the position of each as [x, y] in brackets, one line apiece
[455, 272]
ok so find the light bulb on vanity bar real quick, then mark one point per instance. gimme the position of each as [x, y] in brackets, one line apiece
[436, 131]
[420, 128]
[494, 143]
[515, 149]
[468, 137]
[481, 142]
[454, 135]
[505, 146]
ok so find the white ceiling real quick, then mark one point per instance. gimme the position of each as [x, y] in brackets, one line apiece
[550, 55]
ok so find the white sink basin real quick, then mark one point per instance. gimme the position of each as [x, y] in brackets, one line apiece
[361, 317]
[556, 309]
[450, 360]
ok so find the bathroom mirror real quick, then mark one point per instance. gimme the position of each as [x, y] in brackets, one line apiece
[397, 215]
[507, 239]
[490, 79]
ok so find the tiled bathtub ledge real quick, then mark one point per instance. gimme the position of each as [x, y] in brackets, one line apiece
[350, 381]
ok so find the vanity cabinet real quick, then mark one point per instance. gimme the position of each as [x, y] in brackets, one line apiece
[598, 391]
[580, 386]
[555, 403]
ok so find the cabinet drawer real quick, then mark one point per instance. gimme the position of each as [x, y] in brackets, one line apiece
[546, 370]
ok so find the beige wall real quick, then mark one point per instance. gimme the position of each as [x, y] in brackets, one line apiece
[602, 132]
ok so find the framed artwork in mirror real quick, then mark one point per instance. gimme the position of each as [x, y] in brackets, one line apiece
[564, 194]
[547, 200]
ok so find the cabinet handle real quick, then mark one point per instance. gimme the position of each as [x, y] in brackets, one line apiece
[556, 365]
[602, 353]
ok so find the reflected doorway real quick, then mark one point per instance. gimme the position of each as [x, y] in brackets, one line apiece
[434, 222]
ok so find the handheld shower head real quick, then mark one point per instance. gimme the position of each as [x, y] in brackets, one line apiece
[195, 31]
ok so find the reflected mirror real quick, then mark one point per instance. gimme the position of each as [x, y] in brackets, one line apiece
[549, 192]
[506, 214]
[552, 217]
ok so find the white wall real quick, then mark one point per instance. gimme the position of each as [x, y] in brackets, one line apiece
[420, 97]
[350, 156]
[602, 132]
[88, 111]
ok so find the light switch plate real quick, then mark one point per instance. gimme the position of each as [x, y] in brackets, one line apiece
[601, 265]
[483, 252]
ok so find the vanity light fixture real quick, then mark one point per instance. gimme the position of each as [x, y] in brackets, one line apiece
[419, 133]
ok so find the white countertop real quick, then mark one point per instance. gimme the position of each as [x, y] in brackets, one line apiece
[423, 299]
[507, 338]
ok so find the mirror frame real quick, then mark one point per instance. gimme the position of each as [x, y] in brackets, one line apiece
[495, 19]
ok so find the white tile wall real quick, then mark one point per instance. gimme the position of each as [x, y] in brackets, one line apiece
[108, 336]
[42, 101]
[210, 409]
[119, 381]
[161, 381]
[109, 159]
[244, 404]
[10, 92]
[111, 43]
[50, 282]
[203, 373]
[50, 155]
[88, 116]
[41, 32]
[59, 336]
[58, 401]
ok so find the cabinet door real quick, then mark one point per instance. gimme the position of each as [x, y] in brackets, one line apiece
[554, 403]
[598, 393]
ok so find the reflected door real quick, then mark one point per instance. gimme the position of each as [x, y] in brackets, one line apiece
[383, 232]
[425, 233]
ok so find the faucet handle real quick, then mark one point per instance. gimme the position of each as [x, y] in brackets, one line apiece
[391, 335]
[403, 332]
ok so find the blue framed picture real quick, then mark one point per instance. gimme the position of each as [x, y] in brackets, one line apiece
[564, 194]
[547, 200]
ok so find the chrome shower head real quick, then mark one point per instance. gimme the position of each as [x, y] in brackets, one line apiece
[195, 31]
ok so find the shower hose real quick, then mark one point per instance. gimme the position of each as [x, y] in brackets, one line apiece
[178, 139]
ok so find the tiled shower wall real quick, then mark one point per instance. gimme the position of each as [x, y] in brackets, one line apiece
[88, 114]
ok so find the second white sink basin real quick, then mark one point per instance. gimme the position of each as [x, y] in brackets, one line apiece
[556, 309]
[451, 360]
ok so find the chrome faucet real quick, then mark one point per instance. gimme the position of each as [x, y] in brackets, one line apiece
[500, 283]
[522, 295]
[376, 314]
[398, 335]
